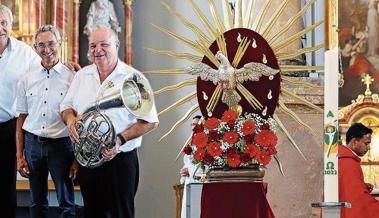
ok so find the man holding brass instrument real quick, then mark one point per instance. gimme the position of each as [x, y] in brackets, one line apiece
[107, 134]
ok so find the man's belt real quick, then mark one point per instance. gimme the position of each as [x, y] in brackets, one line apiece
[41, 139]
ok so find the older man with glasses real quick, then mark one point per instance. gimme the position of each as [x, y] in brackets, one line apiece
[42, 138]
[16, 58]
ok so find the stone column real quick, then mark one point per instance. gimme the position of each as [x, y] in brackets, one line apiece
[128, 30]
[75, 32]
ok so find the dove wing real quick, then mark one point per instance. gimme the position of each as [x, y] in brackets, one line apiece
[253, 71]
[204, 71]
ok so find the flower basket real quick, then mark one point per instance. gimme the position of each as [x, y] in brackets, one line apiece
[233, 147]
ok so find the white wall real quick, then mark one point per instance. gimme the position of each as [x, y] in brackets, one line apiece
[159, 171]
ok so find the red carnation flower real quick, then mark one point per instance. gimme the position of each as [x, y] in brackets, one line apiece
[251, 149]
[233, 160]
[187, 150]
[199, 154]
[230, 137]
[265, 126]
[213, 135]
[229, 116]
[272, 150]
[198, 128]
[214, 149]
[245, 158]
[208, 159]
[263, 157]
[199, 139]
[211, 123]
[266, 138]
[248, 127]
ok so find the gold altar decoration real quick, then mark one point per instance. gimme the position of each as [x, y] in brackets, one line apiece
[255, 19]
[364, 109]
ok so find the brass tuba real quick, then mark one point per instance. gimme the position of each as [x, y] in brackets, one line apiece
[96, 130]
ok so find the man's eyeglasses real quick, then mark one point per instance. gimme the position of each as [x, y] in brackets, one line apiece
[47, 45]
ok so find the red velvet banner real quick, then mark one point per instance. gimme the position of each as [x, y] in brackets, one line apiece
[235, 200]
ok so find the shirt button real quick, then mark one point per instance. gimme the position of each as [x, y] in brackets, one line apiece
[48, 77]
[43, 114]
[45, 102]
[43, 127]
[46, 89]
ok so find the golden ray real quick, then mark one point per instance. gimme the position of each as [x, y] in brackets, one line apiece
[204, 20]
[184, 145]
[208, 53]
[242, 47]
[285, 131]
[274, 18]
[261, 15]
[302, 100]
[289, 40]
[248, 20]
[194, 45]
[216, 16]
[221, 43]
[274, 36]
[178, 103]
[291, 55]
[291, 81]
[177, 86]
[214, 99]
[296, 68]
[228, 19]
[165, 71]
[238, 14]
[201, 35]
[192, 110]
[184, 56]
[279, 164]
[289, 112]
[249, 97]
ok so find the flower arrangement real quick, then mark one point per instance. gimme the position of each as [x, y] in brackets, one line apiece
[233, 141]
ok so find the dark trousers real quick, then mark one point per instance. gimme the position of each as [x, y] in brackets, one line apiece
[8, 169]
[54, 156]
[108, 191]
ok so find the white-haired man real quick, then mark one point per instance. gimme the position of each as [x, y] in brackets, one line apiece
[16, 58]
[108, 190]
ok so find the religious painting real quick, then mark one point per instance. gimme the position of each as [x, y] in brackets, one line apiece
[359, 46]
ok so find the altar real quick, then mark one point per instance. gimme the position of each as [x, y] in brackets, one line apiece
[228, 199]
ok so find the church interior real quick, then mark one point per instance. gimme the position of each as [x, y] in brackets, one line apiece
[290, 190]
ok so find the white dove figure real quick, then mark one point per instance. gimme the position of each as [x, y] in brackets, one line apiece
[228, 77]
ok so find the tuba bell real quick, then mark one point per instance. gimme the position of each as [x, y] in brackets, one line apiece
[96, 130]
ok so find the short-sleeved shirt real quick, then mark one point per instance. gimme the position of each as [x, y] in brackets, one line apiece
[85, 89]
[39, 94]
[16, 60]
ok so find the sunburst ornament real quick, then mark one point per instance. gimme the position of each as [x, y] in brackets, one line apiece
[240, 64]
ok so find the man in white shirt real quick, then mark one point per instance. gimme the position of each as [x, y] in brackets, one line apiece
[15, 59]
[108, 190]
[42, 140]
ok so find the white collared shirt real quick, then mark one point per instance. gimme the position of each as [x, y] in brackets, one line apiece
[16, 60]
[86, 87]
[39, 94]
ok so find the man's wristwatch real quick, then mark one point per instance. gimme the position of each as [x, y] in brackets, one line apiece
[121, 138]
